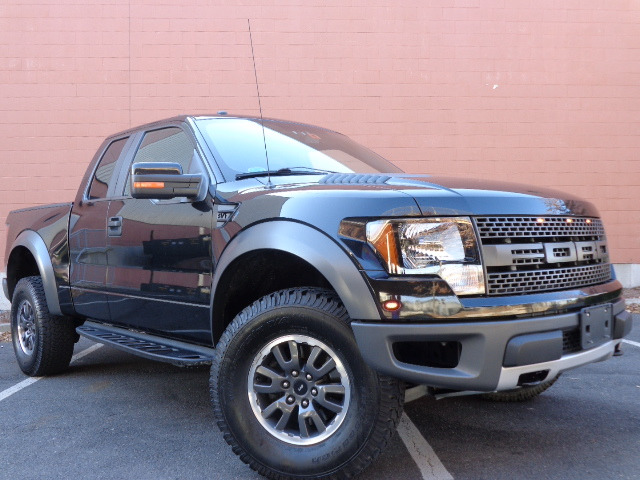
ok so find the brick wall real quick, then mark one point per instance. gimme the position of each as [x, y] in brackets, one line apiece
[542, 92]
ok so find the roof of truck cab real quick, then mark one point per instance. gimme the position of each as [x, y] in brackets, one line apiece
[182, 118]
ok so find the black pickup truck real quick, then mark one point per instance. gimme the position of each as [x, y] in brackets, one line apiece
[317, 280]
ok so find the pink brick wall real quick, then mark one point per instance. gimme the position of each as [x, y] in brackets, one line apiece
[544, 92]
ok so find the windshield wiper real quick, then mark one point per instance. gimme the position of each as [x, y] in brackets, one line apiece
[283, 172]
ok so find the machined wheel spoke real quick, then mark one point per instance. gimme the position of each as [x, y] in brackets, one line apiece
[329, 365]
[333, 389]
[317, 421]
[275, 377]
[322, 399]
[287, 365]
[314, 417]
[274, 387]
[313, 356]
[274, 407]
[303, 427]
[287, 410]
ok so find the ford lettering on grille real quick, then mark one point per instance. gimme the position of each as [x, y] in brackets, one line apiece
[537, 254]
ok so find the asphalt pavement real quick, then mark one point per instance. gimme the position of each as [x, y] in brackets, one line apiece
[116, 416]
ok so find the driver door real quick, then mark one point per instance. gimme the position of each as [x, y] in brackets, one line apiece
[159, 275]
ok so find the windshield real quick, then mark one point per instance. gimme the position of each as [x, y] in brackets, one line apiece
[238, 146]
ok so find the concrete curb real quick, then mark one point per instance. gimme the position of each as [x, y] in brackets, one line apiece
[5, 327]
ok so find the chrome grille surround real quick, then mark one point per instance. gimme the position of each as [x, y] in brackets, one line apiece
[539, 254]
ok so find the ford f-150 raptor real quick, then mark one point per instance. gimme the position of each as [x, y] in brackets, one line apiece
[315, 277]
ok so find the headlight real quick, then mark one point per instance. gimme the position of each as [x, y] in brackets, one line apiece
[446, 247]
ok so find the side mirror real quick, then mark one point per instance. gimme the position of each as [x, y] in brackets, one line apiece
[161, 180]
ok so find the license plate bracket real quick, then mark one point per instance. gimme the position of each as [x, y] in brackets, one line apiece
[596, 325]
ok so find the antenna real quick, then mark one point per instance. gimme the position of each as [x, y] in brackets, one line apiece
[264, 138]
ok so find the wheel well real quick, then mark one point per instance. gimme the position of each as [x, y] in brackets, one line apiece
[21, 264]
[256, 274]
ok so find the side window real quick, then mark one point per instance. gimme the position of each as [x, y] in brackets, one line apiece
[104, 172]
[170, 144]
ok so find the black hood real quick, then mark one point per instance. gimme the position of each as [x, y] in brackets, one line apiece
[440, 195]
[457, 196]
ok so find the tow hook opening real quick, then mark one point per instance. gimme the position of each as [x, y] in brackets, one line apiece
[532, 378]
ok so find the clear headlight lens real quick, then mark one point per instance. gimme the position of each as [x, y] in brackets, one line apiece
[446, 247]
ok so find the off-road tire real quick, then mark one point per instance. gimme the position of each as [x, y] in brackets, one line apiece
[375, 402]
[48, 348]
[521, 394]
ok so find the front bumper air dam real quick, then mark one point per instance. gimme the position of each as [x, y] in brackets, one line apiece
[481, 366]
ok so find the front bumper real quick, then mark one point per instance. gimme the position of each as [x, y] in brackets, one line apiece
[494, 355]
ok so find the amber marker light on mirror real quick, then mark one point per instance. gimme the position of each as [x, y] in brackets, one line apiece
[148, 184]
[392, 305]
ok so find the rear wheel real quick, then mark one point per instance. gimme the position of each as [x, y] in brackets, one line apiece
[43, 343]
[521, 394]
[292, 394]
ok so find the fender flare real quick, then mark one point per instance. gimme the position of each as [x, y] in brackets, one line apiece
[312, 246]
[35, 244]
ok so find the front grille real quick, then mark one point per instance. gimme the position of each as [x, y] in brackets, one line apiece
[530, 227]
[540, 254]
[532, 281]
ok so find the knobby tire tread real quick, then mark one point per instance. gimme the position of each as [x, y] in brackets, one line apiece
[391, 390]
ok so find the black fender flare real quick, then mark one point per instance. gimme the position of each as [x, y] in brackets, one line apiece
[35, 244]
[315, 248]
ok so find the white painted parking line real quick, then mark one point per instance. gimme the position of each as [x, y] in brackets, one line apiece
[31, 380]
[86, 351]
[631, 342]
[431, 468]
[16, 388]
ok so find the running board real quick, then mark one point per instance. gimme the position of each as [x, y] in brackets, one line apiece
[175, 352]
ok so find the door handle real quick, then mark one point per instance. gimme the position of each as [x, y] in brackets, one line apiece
[114, 226]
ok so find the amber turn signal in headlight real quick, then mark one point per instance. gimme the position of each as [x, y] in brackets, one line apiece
[446, 247]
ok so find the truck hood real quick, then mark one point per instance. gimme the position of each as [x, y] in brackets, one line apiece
[457, 196]
[435, 195]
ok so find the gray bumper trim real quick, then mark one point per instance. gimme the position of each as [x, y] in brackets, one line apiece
[509, 376]
[483, 349]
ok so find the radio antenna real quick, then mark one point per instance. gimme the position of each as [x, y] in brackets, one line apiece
[264, 138]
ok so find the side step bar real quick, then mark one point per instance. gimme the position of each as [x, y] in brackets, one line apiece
[175, 352]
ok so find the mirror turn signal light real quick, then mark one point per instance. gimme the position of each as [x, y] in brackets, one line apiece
[148, 184]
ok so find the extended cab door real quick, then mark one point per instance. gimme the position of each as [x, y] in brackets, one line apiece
[88, 233]
[159, 276]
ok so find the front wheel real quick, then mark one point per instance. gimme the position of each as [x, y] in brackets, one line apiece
[292, 394]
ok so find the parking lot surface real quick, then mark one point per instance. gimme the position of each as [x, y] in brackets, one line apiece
[114, 415]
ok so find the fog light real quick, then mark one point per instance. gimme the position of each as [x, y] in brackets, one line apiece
[391, 305]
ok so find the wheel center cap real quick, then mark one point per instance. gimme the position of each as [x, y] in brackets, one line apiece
[300, 387]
